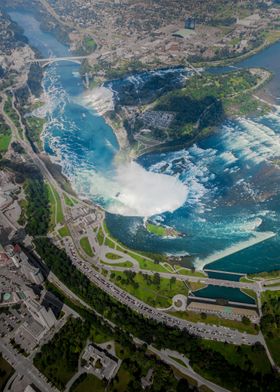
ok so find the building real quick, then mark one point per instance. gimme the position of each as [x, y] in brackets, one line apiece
[228, 312]
[31, 273]
[40, 313]
[100, 363]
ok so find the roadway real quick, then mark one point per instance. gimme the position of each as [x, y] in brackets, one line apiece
[25, 367]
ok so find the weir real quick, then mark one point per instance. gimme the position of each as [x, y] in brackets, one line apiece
[258, 238]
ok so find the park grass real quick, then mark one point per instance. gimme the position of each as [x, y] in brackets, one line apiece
[113, 256]
[250, 293]
[148, 292]
[52, 203]
[55, 201]
[178, 360]
[215, 320]
[59, 213]
[98, 336]
[185, 271]
[64, 232]
[69, 202]
[120, 383]
[238, 355]
[89, 383]
[110, 243]
[125, 264]
[100, 236]
[6, 372]
[145, 263]
[84, 242]
[196, 285]
[265, 275]
[5, 142]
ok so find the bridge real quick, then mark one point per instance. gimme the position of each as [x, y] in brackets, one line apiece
[50, 60]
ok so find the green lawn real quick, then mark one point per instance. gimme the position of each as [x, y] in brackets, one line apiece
[5, 142]
[120, 384]
[144, 263]
[69, 202]
[238, 355]
[125, 264]
[64, 232]
[100, 236]
[215, 320]
[52, 202]
[84, 242]
[88, 383]
[113, 256]
[185, 271]
[144, 287]
[110, 243]
[55, 204]
[59, 213]
[250, 292]
[6, 371]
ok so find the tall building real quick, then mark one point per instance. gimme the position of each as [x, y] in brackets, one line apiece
[40, 313]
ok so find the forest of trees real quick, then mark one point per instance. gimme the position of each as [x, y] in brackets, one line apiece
[37, 210]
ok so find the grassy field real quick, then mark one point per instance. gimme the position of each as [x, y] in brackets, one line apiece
[125, 264]
[250, 292]
[215, 320]
[52, 202]
[266, 275]
[87, 383]
[84, 242]
[113, 256]
[147, 290]
[56, 207]
[5, 142]
[110, 243]
[100, 236]
[6, 371]
[69, 202]
[184, 271]
[239, 355]
[64, 232]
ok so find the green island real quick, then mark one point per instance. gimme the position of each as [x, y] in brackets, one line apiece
[161, 231]
[84, 242]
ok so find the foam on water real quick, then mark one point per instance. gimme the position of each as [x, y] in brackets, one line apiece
[99, 98]
[133, 191]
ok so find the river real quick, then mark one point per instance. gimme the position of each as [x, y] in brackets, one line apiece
[222, 193]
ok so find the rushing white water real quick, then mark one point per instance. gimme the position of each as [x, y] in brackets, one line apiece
[133, 191]
[99, 98]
